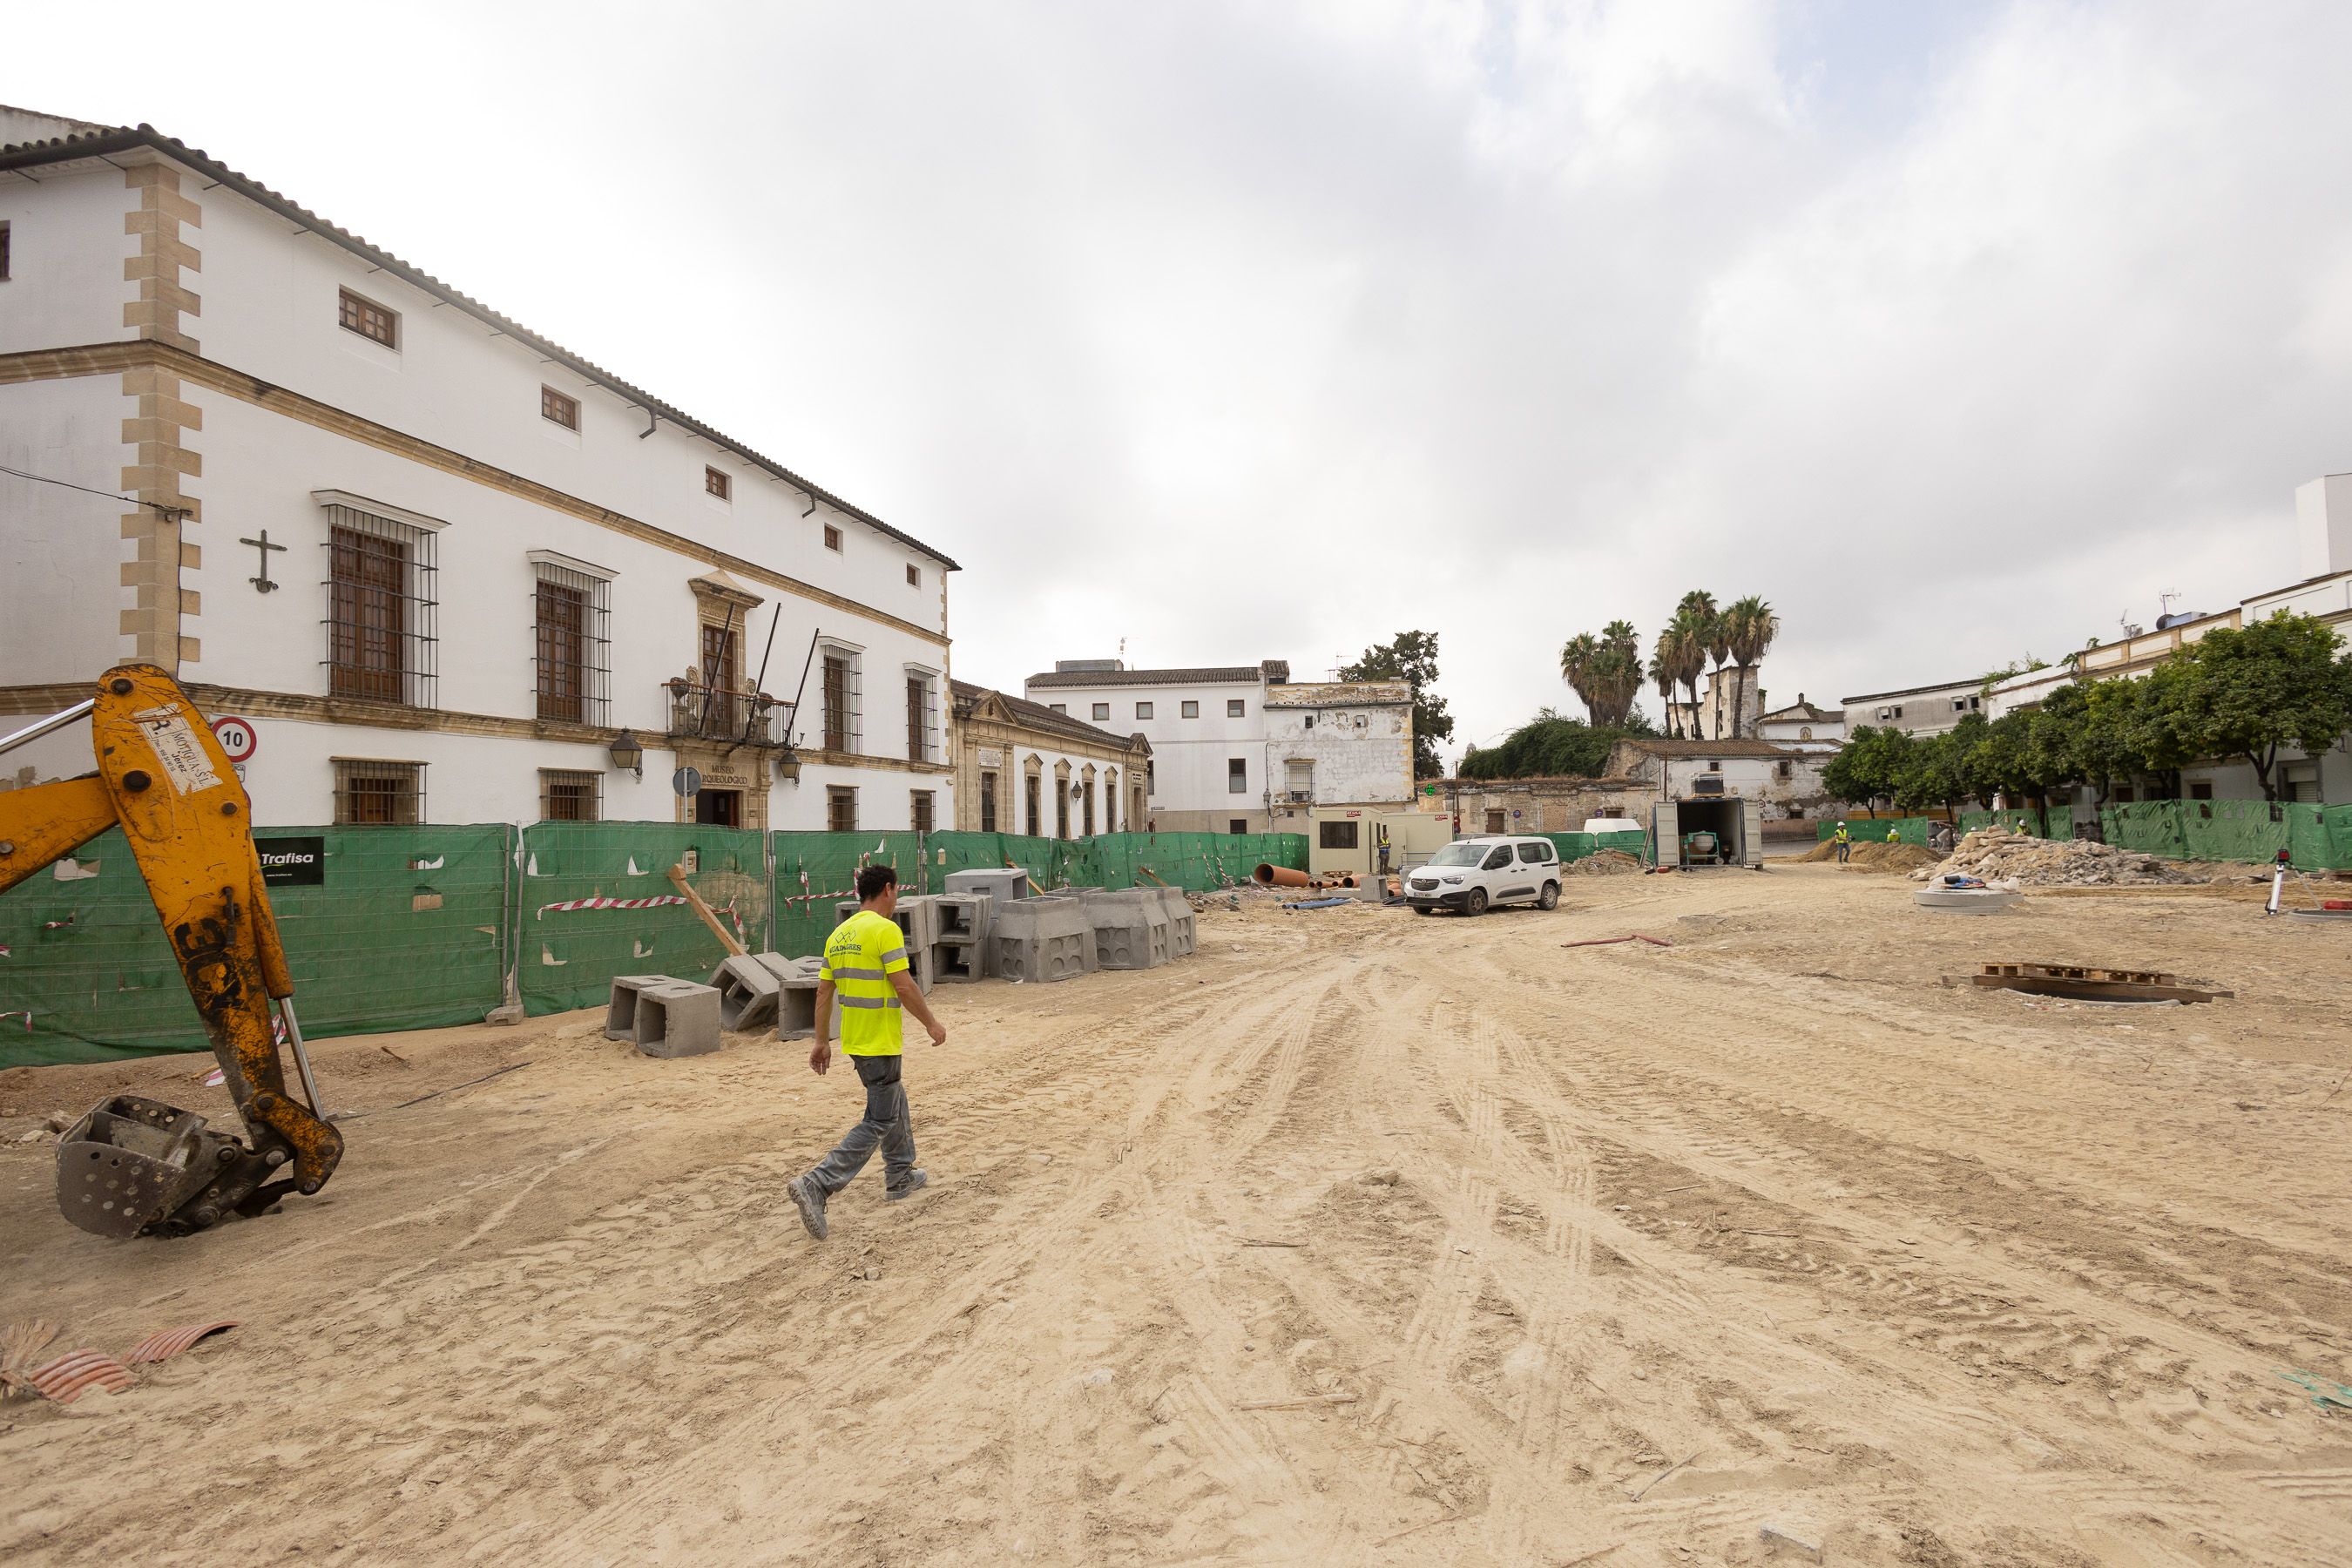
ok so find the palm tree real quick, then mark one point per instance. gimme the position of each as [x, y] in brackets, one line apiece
[1665, 663]
[1696, 619]
[1753, 625]
[1619, 671]
[1577, 660]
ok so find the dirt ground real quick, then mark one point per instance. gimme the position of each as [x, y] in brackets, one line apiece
[1360, 1238]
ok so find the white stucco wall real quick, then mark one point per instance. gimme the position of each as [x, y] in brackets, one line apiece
[60, 549]
[1361, 755]
[66, 250]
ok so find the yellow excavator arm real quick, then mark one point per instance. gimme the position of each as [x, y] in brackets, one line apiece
[136, 1166]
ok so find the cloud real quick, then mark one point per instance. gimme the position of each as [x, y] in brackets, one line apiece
[1240, 333]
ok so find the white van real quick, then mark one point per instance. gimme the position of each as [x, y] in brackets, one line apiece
[1473, 874]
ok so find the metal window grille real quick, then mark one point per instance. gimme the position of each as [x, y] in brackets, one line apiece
[563, 410]
[1086, 804]
[1111, 803]
[841, 702]
[571, 796]
[1060, 808]
[374, 793]
[572, 645]
[1036, 820]
[919, 810]
[988, 803]
[369, 319]
[382, 609]
[840, 809]
[922, 717]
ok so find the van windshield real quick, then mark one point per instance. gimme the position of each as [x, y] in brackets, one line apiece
[1461, 854]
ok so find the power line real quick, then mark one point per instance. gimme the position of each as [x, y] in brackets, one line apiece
[109, 495]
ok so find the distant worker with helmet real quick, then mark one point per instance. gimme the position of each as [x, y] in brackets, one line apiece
[865, 972]
[1891, 837]
[1845, 842]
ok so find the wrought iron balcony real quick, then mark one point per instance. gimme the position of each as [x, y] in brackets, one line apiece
[727, 717]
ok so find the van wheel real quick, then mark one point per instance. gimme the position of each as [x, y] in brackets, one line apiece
[1475, 904]
[1550, 899]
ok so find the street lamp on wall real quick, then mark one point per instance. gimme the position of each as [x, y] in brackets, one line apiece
[788, 766]
[627, 754]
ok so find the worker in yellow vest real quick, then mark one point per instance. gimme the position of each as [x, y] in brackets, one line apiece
[1845, 842]
[1892, 837]
[865, 972]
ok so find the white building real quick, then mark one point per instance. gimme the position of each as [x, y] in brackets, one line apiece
[436, 561]
[1916, 709]
[1802, 724]
[1207, 729]
[1339, 754]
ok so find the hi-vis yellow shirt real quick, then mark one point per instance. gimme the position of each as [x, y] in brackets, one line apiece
[860, 957]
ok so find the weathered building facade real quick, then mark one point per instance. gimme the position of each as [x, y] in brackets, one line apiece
[1023, 767]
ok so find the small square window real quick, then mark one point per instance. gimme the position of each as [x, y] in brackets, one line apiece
[717, 484]
[919, 812]
[1237, 774]
[832, 537]
[1143, 709]
[369, 319]
[1237, 826]
[559, 409]
[840, 809]
[3, 253]
[1191, 710]
[1102, 710]
[1234, 708]
[1060, 707]
[371, 792]
[914, 575]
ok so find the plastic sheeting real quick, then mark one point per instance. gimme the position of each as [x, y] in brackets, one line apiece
[407, 929]
[1577, 846]
[2317, 837]
[1908, 829]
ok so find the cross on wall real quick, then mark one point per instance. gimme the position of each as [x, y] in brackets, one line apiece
[262, 584]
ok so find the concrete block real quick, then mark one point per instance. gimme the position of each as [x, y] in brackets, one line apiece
[1002, 883]
[678, 1019]
[1183, 936]
[1131, 927]
[959, 961]
[797, 1011]
[1042, 940]
[962, 916]
[747, 991]
[621, 1012]
[917, 916]
[785, 969]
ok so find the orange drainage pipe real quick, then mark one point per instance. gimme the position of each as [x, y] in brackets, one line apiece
[1267, 876]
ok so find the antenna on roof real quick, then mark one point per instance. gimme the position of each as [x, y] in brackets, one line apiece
[2164, 604]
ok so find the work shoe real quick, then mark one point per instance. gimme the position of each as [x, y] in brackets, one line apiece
[915, 1180]
[810, 1202]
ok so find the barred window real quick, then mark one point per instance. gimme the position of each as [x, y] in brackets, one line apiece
[919, 810]
[372, 793]
[573, 651]
[569, 796]
[555, 406]
[383, 608]
[922, 717]
[369, 319]
[840, 809]
[843, 691]
[988, 803]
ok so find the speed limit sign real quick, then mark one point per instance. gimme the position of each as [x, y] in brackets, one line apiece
[237, 738]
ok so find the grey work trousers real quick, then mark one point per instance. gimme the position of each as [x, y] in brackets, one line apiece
[886, 1123]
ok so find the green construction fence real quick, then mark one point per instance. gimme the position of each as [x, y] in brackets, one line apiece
[581, 915]
[2059, 823]
[1577, 846]
[2318, 836]
[406, 927]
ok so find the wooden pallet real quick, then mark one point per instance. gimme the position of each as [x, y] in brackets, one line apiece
[2083, 982]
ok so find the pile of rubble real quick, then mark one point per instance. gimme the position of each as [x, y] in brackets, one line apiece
[1605, 863]
[2008, 859]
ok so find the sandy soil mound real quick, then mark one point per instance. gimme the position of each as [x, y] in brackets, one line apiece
[1606, 863]
[1876, 854]
[1999, 856]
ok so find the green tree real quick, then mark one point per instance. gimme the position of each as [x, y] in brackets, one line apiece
[1551, 746]
[2249, 692]
[1411, 658]
[1605, 672]
[1938, 773]
[1870, 766]
[1694, 622]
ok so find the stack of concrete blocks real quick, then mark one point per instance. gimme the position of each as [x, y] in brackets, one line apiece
[751, 987]
[1001, 883]
[1131, 927]
[1042, 940]
[1184, 940]
[663, 1016]
[965, 919]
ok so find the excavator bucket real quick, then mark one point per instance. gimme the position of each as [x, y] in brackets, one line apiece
[132, 1163]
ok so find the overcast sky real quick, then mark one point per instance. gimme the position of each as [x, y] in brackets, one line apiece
[1240, 331]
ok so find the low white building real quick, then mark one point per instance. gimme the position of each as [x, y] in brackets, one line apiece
[1803, 723]
[1207, 728]
[1916, 709]
[442, 568]
[1340, 755]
